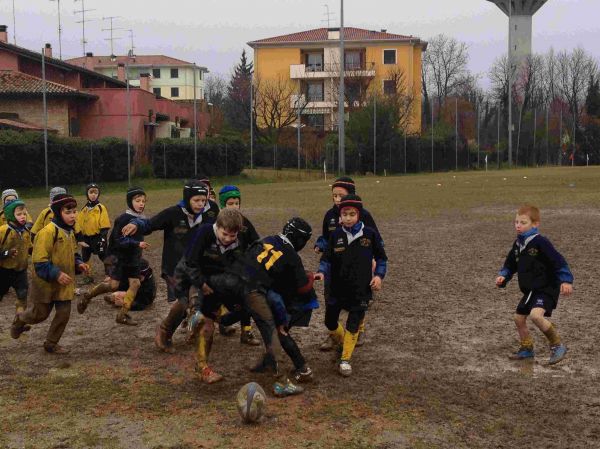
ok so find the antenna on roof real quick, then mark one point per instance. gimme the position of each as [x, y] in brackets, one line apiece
[132, 49]
[328, 15]
[111, 29]
[14, 24]
[83, 20]
[59, 30]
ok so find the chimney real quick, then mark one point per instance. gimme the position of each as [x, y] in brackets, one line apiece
[48, 51]
[145, 81]
[121, 71]
[383, 30]
[3, 34]
[88, 61]
[333, 34]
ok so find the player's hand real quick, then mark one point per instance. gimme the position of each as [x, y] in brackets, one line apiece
[566, 289]
[206, 290]
[376, 283]
[13, 252]
[319, 277]
[500, 281]
[83, 244]
[144, 245]
[318, 250]
[84, 268]
[129, 229]
[64, 279]
[281, 330]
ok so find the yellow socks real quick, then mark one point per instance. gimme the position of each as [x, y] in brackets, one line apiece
[349, 344]
[527, 343]
[338, 335]
[552, 335]
[204, 345]
[99, 289]
[246, 328]
[128, 299]
[361, 326]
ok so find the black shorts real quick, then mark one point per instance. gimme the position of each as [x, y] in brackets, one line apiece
[94, 247]
[125, 270]
[15, 279]
[349, 304]
[536, 299]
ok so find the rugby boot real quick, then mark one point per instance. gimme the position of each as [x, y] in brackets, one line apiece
[248, 338]
[522, 354]
[344, 368]
[227, 330]
[162, 340]
[124, 318]
[209, 376]
[557, 353]
[328, 344]
[286, 388]
[83, 302]
[55, 348]
[18, 327]
[302, 375]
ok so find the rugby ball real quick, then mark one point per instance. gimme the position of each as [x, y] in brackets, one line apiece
[251, 402]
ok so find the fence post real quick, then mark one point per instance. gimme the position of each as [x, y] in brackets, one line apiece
[92, 162]
[165, 160]
[226, 162]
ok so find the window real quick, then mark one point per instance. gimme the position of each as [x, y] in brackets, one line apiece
[314, 92]
[315, 121]
[174, 91]
[353, 91]
[352, 59]
[389, 87]
[156, 91]
[174, 73]
[314, 62]
[156, 73]
[389, 56]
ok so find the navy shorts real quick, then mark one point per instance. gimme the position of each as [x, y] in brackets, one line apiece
[15, 279]
[536, 299]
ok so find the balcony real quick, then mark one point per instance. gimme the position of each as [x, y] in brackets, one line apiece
[314, 104]
[331, 70]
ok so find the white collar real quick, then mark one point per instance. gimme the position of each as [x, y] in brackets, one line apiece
[222, 248]
[526, 242]
[351, 237]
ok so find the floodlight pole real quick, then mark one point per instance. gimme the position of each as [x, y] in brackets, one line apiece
[341, 135]
[510, 78]
[456, 130]
[128, 122]
[431, 137]
[196, 126]
[375, 134]
[44, 89]
[251, 120]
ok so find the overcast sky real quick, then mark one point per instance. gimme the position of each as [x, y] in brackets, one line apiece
[212, 33]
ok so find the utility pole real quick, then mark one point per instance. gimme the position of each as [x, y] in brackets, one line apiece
[510, 85]
[196, 124]
[299, 124]
[375, 134]
[45, 104]
[341, 135]
[251, 120]
[431, 139]
[14, 24]
[456, 130]
[132, 49]
[59, 29]
[498, 141]
[111, 29]
[478, 133]
[83, 20]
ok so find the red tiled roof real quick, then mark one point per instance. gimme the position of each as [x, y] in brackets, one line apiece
[18, 83]
[137, 60]
[20, 124]
[320, 35]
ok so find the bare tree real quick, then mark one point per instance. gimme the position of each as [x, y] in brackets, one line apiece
[276, 106]
[215, 89]
[444, 67]
[401, 98]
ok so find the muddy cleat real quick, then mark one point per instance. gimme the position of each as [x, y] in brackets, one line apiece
[344, 368]
[228, 330]
[286, 388]
[209, 376]
[522, 354]
[328, 344]
[124, 318]
[83, 302]
[162, 340]
[303, 375]
[266, 364]
[557, 353]
[55, 349]
[18, 327]
[361, 339]
[248, 338]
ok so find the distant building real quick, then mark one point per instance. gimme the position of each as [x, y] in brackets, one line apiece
[169, 77]
[311, 60]
[85, 103]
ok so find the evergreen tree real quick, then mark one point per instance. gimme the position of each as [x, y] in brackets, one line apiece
[592, 101]
[237, 102]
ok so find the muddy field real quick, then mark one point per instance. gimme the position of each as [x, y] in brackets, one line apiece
[433, 373]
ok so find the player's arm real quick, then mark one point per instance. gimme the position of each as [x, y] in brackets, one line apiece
[559, 263]
[508, 269]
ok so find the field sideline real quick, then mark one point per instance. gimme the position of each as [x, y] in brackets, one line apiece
[433, 373]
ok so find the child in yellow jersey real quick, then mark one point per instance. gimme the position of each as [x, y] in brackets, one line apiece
[46, 215]
[9, 195]
[56, 262]
[15, 247]
[93, 225]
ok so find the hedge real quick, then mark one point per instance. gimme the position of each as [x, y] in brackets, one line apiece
[174, 158]
[71, 160]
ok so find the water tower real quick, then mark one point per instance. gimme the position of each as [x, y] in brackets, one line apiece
[520, 13]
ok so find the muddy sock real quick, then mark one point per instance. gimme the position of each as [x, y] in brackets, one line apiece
[349, 344]
[361, 326]
[527, 342]
[552, 335]
[204, 345]
[100, 289]
[128, 300]
[246, 328]
[338, 335]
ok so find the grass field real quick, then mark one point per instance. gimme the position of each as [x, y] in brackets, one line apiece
[433, 373]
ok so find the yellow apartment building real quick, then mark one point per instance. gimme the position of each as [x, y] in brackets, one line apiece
[311, 61]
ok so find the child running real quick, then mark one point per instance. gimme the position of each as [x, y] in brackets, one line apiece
[15, 248]
[347, 263]
[55, 262]
[93, 226]
[145, 295]
[543, 275]
[46, 215]
[128, 253]
[331, 221]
